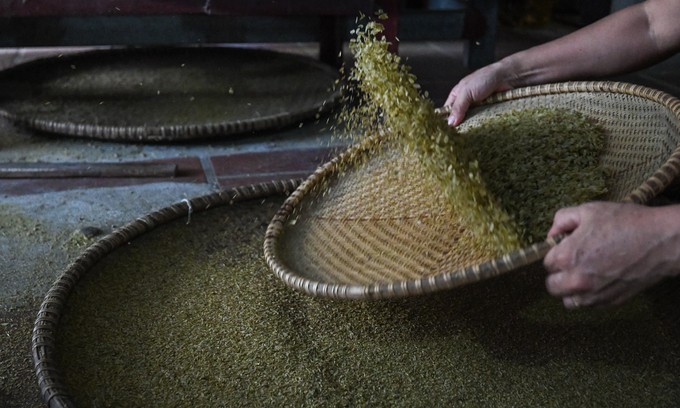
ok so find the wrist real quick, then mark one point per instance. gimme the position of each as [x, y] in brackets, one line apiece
[531, 67]
[510, 72]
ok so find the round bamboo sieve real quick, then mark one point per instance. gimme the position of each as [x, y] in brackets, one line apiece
[372, 231]
[166, 94]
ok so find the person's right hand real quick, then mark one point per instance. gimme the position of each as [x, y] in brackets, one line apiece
[476, 87]
[614, 251]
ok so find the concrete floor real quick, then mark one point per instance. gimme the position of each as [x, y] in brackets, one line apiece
[42, 230]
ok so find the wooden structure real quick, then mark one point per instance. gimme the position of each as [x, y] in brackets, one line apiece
[161, 22]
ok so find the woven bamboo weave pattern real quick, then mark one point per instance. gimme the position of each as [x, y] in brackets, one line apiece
[376, 231]
[378, 222]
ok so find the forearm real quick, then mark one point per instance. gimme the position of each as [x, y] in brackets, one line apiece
[627, 40]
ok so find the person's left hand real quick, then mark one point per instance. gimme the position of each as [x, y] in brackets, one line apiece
[614, 251]
[476, 87]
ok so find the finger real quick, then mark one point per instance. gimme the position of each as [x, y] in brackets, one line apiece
[458, 109]
[453, 118]
[563, 284]
[583, 300]
[550, 262]
[560, 257]
[452, 96]
[613, 294]
[566, 220]
[572, 302]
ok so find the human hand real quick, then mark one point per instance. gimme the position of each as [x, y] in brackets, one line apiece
[475, 88]
[614, 251]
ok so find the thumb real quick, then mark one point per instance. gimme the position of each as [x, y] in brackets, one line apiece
[458, 109]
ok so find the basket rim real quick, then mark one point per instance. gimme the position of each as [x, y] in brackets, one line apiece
[178, 132]
[651, 187]
[53, 390]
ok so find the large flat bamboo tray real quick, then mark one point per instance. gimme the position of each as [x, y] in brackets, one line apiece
[166, 94]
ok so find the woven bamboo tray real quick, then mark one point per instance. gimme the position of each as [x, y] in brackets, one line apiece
[43, 345]
[179, 309]
[374, 233]
[166, 94]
